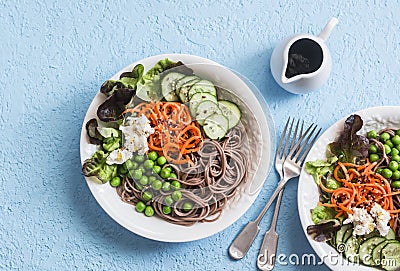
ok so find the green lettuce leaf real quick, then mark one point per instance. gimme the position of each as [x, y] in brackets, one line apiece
[320, 168]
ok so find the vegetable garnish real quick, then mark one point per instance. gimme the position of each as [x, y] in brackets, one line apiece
[176, 135]
[362, 187]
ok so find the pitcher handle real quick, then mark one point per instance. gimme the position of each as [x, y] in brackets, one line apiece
[325, 33]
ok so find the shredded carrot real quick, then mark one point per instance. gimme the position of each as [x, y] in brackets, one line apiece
[361, 187]
[176, 135]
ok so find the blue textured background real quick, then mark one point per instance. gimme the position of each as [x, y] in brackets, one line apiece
[54, 55]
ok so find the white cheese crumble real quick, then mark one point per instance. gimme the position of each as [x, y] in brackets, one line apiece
[135, 134]
[365, 222]
[119, 156]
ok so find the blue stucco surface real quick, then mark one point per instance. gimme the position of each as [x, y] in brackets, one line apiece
[54, 55]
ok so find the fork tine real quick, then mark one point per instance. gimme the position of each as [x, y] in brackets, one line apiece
[299, 141]
[295, 134]
[309, 147]
[304, 143]
[288, 139]
[278, 154]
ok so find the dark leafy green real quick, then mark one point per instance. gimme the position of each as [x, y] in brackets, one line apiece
[148, 88]
[94, 135]
[324, 231]
[114, 105]
[96, 166]
[350, 146]
[126, 80]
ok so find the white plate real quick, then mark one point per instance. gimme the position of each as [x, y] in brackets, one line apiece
[255, 115]
[374, 118]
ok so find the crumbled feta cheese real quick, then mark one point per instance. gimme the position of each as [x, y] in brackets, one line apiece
[135, 134]
[382, 218]
[119, 156]
[362, 221]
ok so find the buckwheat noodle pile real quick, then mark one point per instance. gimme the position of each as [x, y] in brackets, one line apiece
[219, 168]
[384, 161]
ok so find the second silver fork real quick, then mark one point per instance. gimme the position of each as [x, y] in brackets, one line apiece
[293, 161]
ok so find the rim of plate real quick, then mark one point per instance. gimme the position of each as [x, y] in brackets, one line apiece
[155, 228]
[307, 189]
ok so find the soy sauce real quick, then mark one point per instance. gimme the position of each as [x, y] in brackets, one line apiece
[305, 56]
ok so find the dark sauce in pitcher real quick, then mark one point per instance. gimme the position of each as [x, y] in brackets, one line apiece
[305, 56]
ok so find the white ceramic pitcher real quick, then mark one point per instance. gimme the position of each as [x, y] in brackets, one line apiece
[302, 63]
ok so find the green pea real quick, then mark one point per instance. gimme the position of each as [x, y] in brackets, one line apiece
[148, 164]
[137, 174]
[384, 136]
[398, 132]
[173, 176]
[167, 210]
[372, 134]
[379, 170]
[166, 186]
[156, 185]
[393, 165]
[131, 164]
[396, 175]
[139, 158]
[396, 158]
[147, 195]
[373, 157]
[373, 148]
[161, 160]
[176, 195]
[175, 185]
[152, 155]
[396, 140]
[169, 169]
[168, 200]
[149, 211]
[144, 180]
[165, 173]
[396, 184]
[157, 169]
[389, 143]
[138, 186]
[394, 151]
[397, 147]
[152, 179]
[140, 206]
[116, 181]
[387, 148]
[122, 170]
[187, 206]
[387, 173]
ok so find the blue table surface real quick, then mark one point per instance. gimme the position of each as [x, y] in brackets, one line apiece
[54, 55]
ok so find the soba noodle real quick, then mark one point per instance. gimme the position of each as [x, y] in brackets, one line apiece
[219, 168]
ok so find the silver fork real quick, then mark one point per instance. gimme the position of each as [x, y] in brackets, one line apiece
[293, 161]
[267, 254]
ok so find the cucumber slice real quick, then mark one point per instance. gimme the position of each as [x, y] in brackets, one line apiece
[340, 234]
[390, 256]
[183, 89]
[197, 98]
[352, 247]
[231, 111]
[184, 80]
[390, 235]
[216, 126]
[347, 235]
[366, 249]
[206, 109]
[168, 86]
[374, 233]
[376, 252]
[202, 86]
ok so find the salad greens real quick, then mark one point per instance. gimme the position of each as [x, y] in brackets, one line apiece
[126, 80]
[320, 168]
[148, 86]
[114, 105]
[96, 166]
[349, 146]
[321, 213]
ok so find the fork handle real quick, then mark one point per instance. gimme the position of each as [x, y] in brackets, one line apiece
[281, 184]
[242, 243]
